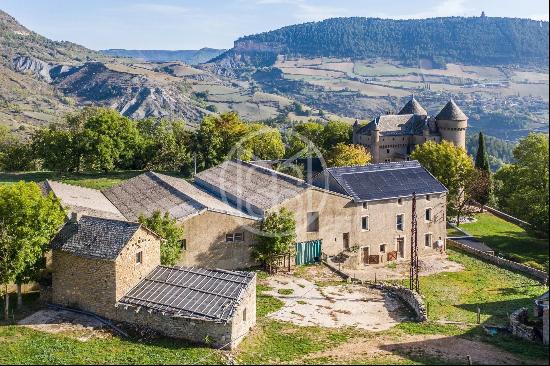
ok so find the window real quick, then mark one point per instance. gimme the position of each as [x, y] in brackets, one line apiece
[229, 238]
[382, 248]
[428, 214]
[428, 197]
[139, 257]
[365, 205]
[365, 223]
[388, 151]
[400, 201]
[238, 237]
[387, 160]
[428, 240]
[399, 224]
[312, 222]
[183, 244]
[244, 315]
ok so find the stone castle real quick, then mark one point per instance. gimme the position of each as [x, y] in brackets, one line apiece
[392, 138]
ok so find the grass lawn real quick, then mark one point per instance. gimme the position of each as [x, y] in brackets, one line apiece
[88, 180]
[451, 296]
[510, 240]
[453, 232]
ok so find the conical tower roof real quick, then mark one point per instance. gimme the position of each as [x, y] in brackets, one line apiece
[413, 107]
[451, 112]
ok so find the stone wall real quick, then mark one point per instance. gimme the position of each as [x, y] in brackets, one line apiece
[411, 298]
[540, 276]
[215, 334]
[339, 215]
[518, 326]
[206, 245]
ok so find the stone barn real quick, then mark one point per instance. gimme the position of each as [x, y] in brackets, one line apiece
[112, 268]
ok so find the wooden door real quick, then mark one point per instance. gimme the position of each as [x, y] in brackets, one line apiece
[345, 240]
[401, 247]
[365, 255]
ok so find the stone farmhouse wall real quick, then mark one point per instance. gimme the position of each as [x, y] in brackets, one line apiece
[518, 327]
[95, 285]
[540, 276]
[206, 245]
[339, 214]
[216, 334]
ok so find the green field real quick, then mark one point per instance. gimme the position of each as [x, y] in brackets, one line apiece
[509, 240]
[88, 180]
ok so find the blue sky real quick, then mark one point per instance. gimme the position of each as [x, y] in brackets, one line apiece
[192, 24]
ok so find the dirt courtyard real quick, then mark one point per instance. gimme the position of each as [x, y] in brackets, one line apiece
[335, 305]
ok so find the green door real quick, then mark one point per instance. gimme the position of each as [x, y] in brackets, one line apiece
[308, 252]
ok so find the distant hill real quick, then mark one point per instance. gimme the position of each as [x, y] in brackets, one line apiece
[473, 40]
[191, 57]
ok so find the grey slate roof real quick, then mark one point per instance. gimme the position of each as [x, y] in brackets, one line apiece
[94, 237]
[84, 201]
[383, 181]
[147, 193]
[451, 112]
[250, 187]
[190, 292]
[396, 124]
[413, 107]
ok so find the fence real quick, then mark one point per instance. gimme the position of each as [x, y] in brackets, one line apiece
[540, 276]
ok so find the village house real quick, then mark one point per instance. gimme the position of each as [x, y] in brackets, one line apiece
[112, 268]
[393, 137]
[366, 208]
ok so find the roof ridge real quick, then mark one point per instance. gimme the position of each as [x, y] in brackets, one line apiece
[286, 177]
[175, 188]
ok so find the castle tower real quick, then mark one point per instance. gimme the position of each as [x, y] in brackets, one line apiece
[413, 107]
[452, 124]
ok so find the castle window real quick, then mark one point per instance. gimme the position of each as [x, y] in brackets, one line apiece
[139, 257]
[388, 151]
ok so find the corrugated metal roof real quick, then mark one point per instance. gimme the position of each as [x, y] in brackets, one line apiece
[95, 237]
[250, 187]
[389, 180]
[190, 292]
[85, 201]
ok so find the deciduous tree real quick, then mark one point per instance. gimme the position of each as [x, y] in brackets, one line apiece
[167, 228]
[348, 155]
[277, 236]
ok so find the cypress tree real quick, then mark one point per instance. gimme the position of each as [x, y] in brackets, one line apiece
[482, 159]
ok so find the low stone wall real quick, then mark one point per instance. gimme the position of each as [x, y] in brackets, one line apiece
[506, 217]
[410, 297]
[540, 276]
[518, 327]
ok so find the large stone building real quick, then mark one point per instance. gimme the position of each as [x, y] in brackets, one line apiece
[222, 208]
[393, 137]
[112, 268]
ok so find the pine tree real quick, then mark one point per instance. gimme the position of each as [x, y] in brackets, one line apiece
[482, 159]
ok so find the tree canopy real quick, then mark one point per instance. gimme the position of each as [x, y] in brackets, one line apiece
[522, 187]
[277, 236]
[348, 155]
[28, 222]
[167, 228]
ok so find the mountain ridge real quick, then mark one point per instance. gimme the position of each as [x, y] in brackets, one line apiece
[191, 57]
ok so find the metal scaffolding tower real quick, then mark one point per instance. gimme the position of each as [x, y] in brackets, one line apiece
[414, 283]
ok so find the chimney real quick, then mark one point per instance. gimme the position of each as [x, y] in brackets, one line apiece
[75, 216]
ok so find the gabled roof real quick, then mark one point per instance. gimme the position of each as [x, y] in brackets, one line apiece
[451, 112]
[250, 187]
[413, 107]
[94, 237]
[147, 193]
[84, 201]
[383, 181]
[209, 294]
[396, 124]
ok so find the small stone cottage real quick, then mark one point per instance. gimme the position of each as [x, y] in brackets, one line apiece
[112, 268]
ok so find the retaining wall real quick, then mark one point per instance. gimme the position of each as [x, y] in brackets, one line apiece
[540, 276]
[518, 327]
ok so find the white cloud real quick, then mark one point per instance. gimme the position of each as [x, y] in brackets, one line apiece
[305, 11]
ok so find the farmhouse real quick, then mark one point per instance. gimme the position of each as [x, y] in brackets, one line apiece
[393, 137]
[367, 207]
[112, 268]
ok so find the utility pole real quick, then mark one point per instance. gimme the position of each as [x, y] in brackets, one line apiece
[414, 283]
